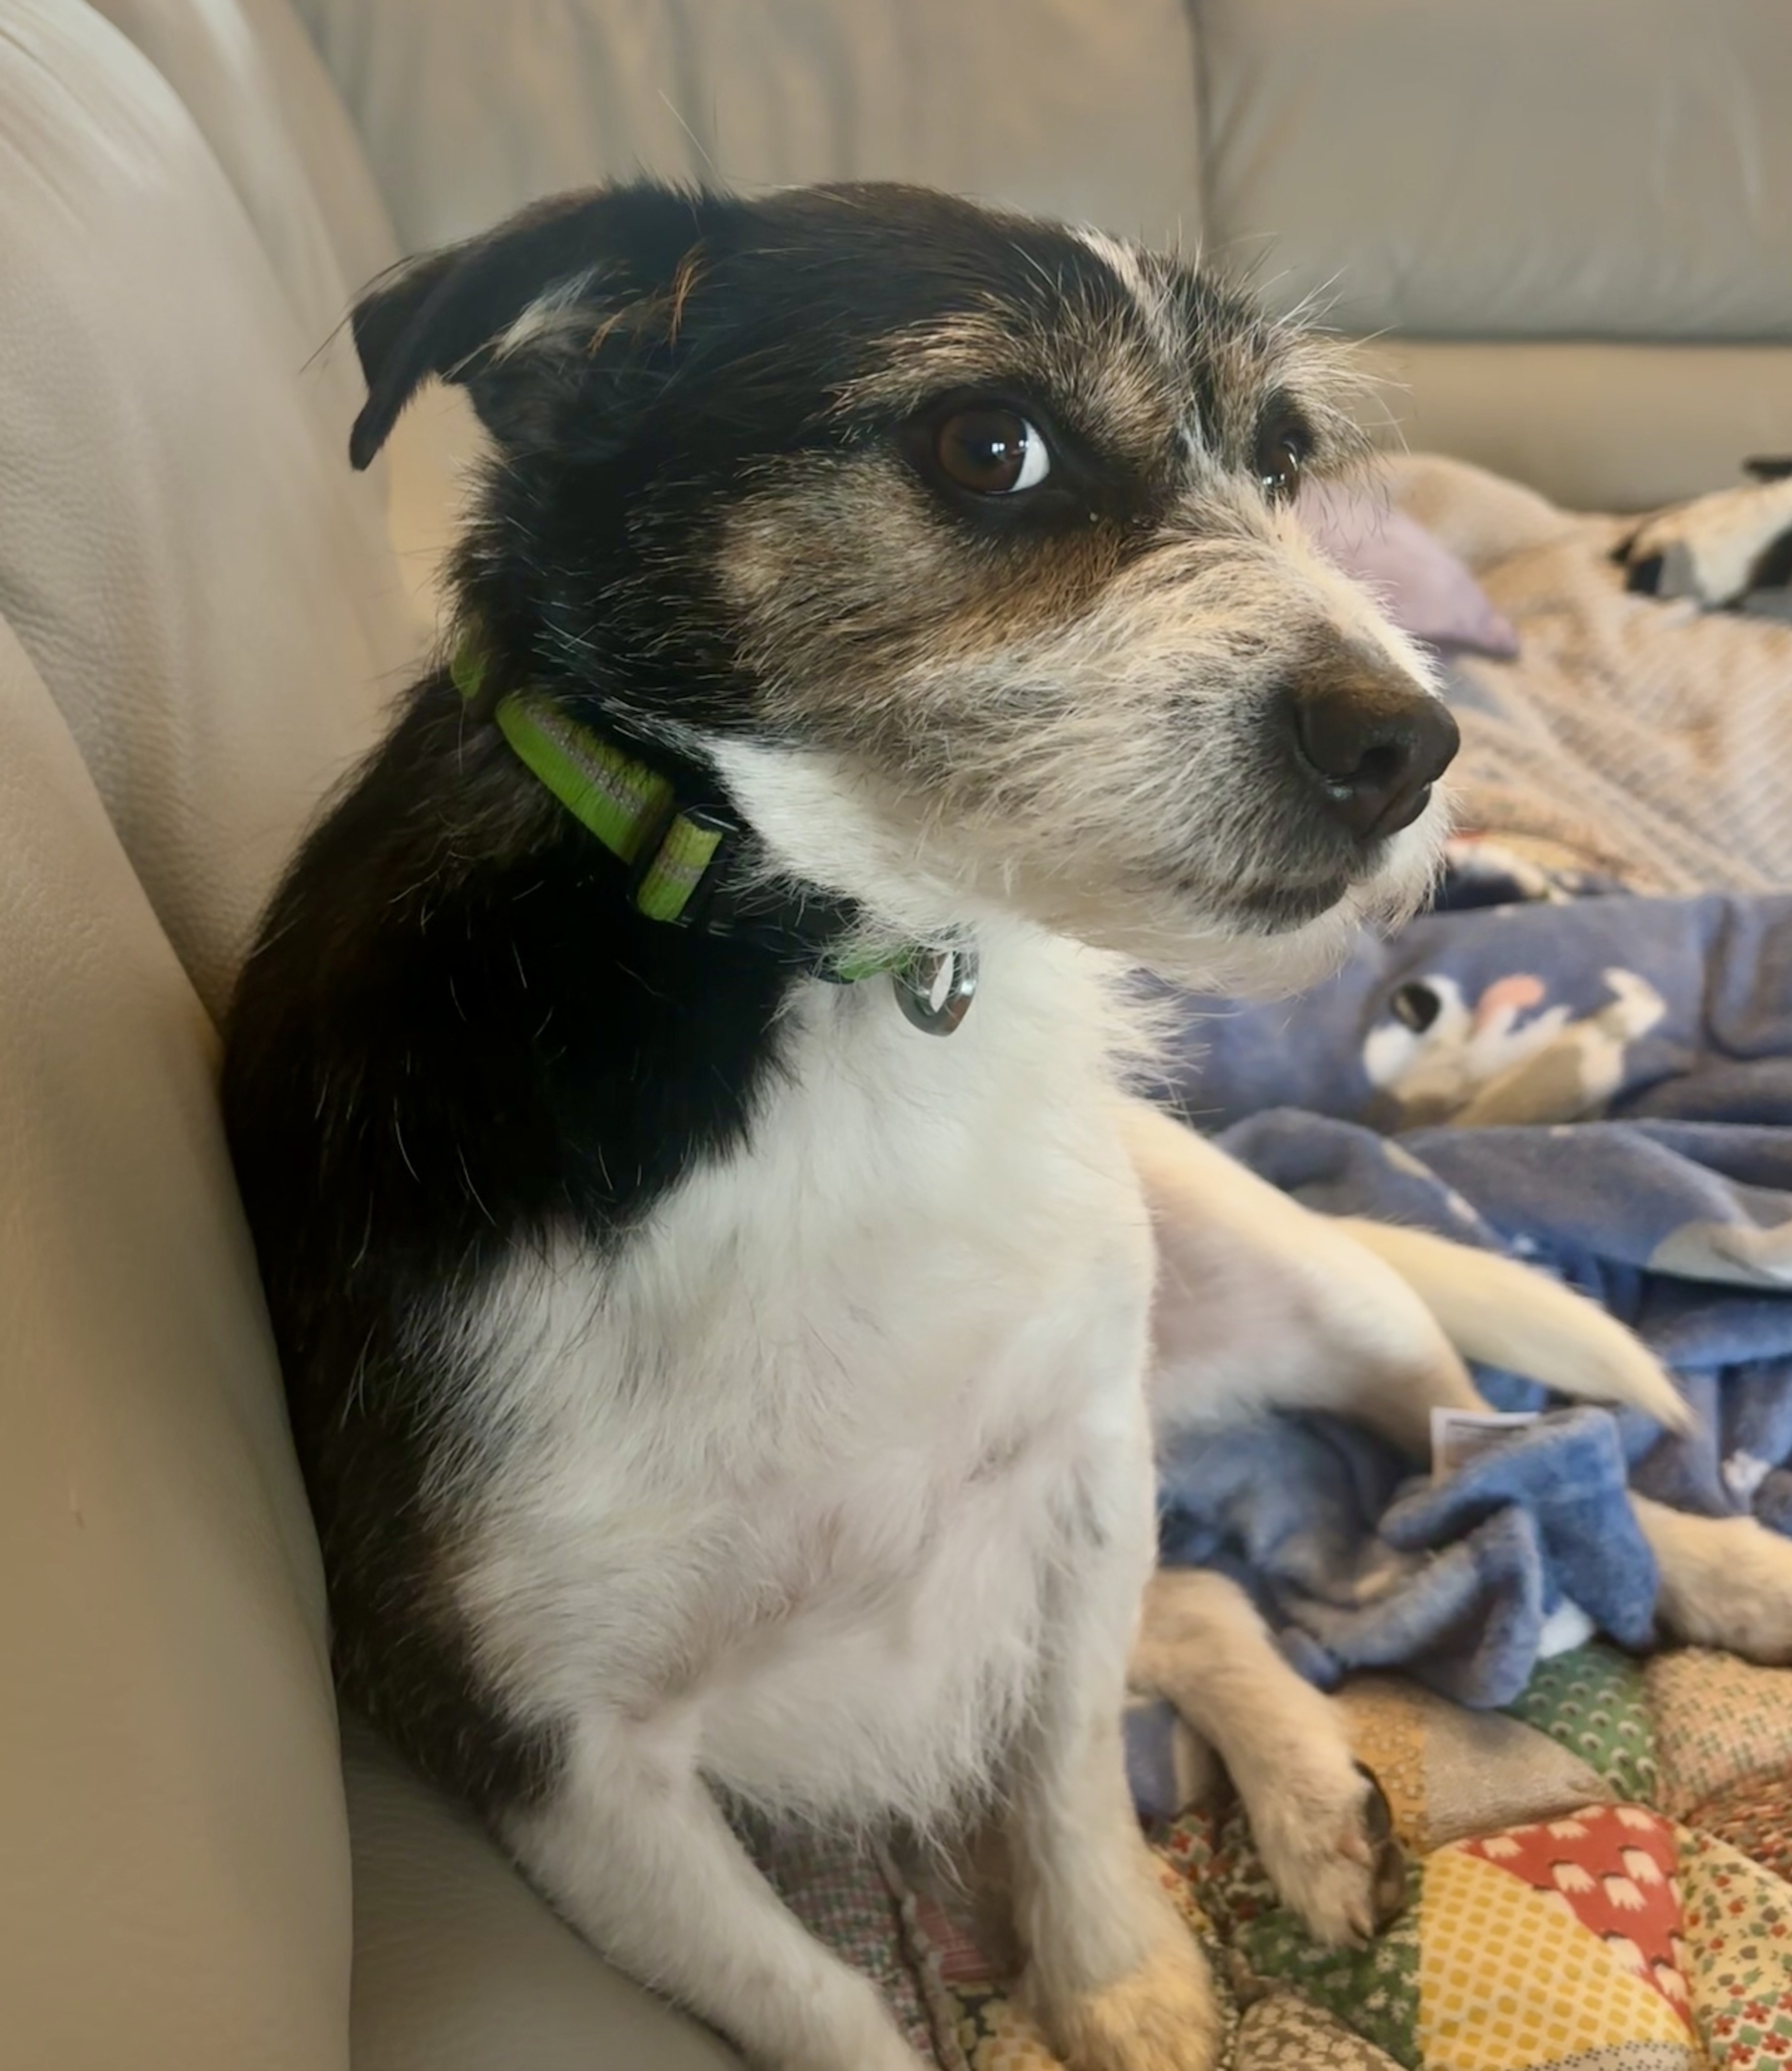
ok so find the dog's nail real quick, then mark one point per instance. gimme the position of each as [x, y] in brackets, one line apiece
[1390, 1885]
[1378, 1814]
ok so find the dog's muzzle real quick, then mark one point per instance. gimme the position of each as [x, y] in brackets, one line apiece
[1371, 747]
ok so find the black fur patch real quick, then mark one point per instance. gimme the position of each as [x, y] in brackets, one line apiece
[454, 1038]
[1644, 578]
[1773, 566]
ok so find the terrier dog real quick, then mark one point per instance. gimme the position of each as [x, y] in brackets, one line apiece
[680, 1092]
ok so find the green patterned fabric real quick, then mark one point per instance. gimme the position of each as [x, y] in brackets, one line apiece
[1374, 1991]
[1593, 1703]
[1739, 1935]
[1284, 2030]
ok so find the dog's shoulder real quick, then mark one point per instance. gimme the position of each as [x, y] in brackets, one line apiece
[451, 1044]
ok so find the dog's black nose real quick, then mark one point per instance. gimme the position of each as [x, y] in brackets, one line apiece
[1375, 749]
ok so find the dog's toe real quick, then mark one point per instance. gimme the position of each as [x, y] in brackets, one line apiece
[1725, 1582]
[1332, 1854]
[1162, 2017]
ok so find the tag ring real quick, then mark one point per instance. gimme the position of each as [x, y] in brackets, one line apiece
[935, 989]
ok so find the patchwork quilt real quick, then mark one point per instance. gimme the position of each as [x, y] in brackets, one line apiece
[1599, 1881]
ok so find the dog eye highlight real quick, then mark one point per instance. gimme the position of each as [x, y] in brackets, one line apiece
[1281, 450]
[991, 451]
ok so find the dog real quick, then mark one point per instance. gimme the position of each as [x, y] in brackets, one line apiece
[681, 1091]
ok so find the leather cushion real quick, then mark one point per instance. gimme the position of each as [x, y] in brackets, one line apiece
[205, 588]
[175, 1872]
[1536, 168]
[248, 75]
[1596, 426]
[459, 1966]
[470, 109]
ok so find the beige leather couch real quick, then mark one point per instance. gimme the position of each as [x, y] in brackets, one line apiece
[1573, 218]
[201, 616]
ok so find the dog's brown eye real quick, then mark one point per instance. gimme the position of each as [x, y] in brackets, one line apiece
[1282, 448]
[994, 452]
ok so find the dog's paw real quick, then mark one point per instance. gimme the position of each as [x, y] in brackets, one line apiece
[837, 2028]
[1163, 2016]
[1715, 546]
[1327, 1841]
[1725, 1582]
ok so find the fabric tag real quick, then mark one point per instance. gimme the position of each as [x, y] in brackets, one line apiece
[1457, 1435]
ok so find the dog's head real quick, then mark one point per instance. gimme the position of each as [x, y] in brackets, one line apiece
[957, 545]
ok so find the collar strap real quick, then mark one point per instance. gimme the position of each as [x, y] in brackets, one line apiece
[674, 851]
[670, 851]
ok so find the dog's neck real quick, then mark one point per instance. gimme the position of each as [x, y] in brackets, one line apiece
[689, 856]
[497, 1035]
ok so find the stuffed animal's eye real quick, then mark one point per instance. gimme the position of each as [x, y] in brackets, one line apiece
[992, 452]
[1417, 1006]
[1281, 450]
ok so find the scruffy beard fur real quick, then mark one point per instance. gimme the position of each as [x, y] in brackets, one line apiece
[1088, 738]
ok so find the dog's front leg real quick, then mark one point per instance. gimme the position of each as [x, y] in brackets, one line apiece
[1262, 1304]
[1319, 1820]
[633, 1851]
[1113, 1973]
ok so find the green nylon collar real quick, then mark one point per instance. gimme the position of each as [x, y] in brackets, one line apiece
[630, 806]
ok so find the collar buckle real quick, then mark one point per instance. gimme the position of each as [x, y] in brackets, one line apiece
[676, 864]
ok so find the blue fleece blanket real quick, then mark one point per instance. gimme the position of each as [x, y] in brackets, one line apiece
[1596, 1082]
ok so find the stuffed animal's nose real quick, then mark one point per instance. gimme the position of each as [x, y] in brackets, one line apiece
[1374, 749]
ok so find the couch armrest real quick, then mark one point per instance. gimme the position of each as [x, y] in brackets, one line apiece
[175, 1872]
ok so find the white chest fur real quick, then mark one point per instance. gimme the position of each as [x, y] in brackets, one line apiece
[790, 1475]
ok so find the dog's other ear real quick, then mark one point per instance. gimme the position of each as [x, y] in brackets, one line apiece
[514, 315]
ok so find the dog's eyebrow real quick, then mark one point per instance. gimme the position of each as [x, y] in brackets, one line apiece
[921, 360]
[1099, 378]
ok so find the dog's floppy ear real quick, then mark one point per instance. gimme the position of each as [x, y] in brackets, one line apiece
[516, 314]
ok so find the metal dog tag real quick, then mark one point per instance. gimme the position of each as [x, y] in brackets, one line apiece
[935, 989]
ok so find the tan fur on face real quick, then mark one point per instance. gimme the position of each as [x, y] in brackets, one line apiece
[1077, 722]
[846, 577]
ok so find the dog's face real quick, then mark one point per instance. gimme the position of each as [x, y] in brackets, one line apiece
[957, 544]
